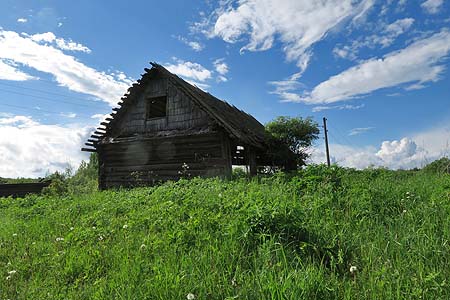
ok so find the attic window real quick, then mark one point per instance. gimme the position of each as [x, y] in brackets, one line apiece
[157, 107]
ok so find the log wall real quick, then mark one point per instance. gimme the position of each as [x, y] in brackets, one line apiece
[149, 161]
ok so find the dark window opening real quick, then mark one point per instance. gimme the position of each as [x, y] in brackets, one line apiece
[157, 107]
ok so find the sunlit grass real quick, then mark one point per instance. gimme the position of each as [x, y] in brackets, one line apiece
[322, 234]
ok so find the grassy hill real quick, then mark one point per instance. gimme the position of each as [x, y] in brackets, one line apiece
[279, 237]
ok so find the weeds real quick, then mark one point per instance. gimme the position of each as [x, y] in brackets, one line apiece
[317, 234]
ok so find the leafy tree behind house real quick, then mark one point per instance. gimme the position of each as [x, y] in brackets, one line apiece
[289, 139]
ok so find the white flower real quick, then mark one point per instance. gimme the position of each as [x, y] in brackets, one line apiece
[220, 195]
[100, 237]
[8, 277]
[71, 228]
[93, 227]
[353, 269]
[404, 211]
[14, 234]
[143, 246]
[59, 239]
[12, 272]
[125, 226]
[190, 296]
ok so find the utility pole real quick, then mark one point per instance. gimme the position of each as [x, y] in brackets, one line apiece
[326, 140]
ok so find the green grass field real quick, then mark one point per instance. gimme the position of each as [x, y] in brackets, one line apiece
[279, 237]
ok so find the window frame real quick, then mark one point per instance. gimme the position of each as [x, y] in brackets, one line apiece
[149, 105]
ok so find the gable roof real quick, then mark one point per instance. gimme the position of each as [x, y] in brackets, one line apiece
[236, 122]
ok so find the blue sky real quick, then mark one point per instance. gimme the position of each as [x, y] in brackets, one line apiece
[378, 70]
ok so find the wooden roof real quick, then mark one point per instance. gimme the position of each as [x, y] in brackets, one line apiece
[236, 122]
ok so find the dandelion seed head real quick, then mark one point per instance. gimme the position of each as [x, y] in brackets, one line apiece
[190, 296]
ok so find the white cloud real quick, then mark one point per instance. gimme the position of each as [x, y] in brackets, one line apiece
[409, 152]
[338, 107]
[387, 36]
[66, 69]
[297, 23]
[432, 6]
[22, 20]
[399, 26]
[69, 115]
[190, 70]
[359, 130]
[9, 72]
[221, 66]
[31, 149]
[196, 46]
[393, 69]
[49, 37]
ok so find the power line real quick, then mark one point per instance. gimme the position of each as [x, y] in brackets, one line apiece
[45, 98]
[42, 91]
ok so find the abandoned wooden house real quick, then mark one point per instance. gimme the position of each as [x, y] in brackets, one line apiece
[165, 128]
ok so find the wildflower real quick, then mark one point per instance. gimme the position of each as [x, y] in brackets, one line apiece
[125, 226]
[8, 277]
[353, 269]
[220, 195]
[100, 237]
[14, 234]
[71, 228]
[190, 296]
[93, 227]
[59, 239]
[234, 282]
[404, 211]
[143, 246]
[12, 272]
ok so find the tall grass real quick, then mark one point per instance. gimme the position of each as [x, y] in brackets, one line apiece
[279, 237]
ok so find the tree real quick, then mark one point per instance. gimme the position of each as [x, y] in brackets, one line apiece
[288, 140]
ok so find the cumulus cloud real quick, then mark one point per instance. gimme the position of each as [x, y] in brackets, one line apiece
[408, 152]
[189, 70]
[397, 154]
[392, 70]
[298, 24]
[22, 20]
[432, 6]
[38, 52]
[31, 149]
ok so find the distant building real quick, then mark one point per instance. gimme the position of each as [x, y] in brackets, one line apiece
[167, 128]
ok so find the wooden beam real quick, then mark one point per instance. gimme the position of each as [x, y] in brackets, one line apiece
[90, 144]
[96, 136]
[88, 150]
[93, 141]
[252, 160]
